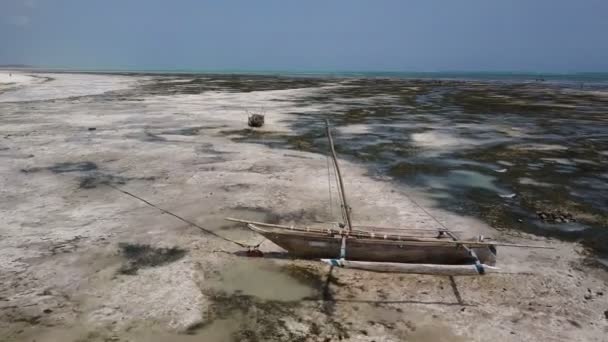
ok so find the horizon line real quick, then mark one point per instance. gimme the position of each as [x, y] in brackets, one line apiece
[294, 70]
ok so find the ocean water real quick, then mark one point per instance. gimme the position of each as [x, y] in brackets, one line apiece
[574, 78]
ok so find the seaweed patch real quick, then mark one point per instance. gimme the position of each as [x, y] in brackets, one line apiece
[140, 256]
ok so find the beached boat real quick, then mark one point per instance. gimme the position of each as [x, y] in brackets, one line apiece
[406, 250]
[398, 248]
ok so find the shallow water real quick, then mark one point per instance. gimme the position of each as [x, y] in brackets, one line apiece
[260, 278]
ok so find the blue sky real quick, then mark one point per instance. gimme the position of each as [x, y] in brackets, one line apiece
[400, 35]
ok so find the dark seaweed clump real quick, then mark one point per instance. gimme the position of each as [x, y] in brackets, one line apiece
[140, 256]
[88, 172]
[73, 167]
[94, 180]
[65, 167]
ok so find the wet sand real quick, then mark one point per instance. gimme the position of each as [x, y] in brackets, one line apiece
[73, 266]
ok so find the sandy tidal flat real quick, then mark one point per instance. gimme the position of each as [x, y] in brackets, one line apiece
[82, 260]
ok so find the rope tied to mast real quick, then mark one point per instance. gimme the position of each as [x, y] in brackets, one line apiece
[471, 252]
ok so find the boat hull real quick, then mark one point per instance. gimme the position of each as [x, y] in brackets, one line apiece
[315, 246]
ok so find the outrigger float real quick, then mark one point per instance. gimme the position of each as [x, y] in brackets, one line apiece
[405, 250]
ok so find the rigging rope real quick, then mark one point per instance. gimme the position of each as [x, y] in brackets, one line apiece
[454, 237]
[186, 221]
[425, 211]
[429, 214]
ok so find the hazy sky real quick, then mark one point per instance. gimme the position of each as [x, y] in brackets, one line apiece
[400, 35]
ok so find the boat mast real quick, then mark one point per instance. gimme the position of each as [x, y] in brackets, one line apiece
[342, 194]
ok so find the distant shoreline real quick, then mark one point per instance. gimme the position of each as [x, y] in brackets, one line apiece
[580, 77]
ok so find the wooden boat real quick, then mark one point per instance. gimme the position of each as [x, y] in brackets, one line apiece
[408, 250]
[319, 245]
